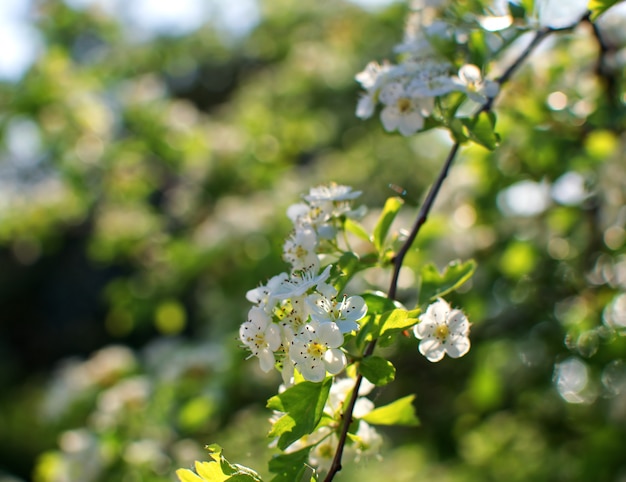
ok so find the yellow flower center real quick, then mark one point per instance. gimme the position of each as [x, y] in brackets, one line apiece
[316, 349]
[404, 105]
[442, 332]
[259, 339]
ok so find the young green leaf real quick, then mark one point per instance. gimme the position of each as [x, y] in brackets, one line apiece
[186, 475]
[400, 412]
[481, 130]
[355, 228]
[218, 470]
[377, 370]
[303, 405]
[598, 7]
[435, 284]
[348, 265]
[397, 320]
[390, 210]
[378, 302]
[287, 467]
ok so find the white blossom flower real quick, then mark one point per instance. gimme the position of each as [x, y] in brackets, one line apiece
[263, 296]
[371, 77]
[402, 111]
[442, 330]
[331, 192]
[299, 248]
[430, 78]
[344, 313]
[293, 314]
[261, 336]
[366, 105]
[317, 216]
[315, 351]
[300, 282]
[368, 441]
[471, 82]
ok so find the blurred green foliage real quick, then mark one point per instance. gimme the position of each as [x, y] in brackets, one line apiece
[143, 190]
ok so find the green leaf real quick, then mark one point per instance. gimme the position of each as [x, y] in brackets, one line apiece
[348, 265]
[400, 412]
[355, 228]
[218, 469]
[306, 474]
[481, 130]
[397, 320]
[287, 467]
[390, 210]
[377, 370]
[186, 475]
[378, 303]
[458, 130]
[519, 9]
[303, 405]
[598, 7]
[435, 284]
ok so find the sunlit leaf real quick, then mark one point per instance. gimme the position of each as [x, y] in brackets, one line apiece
[289, 466]
[218, 470]
[598, 7]
[481, 129]
[303, 405]
[390, 210]
[186, 475]
[377, 370]
[397, 320]
[355, 228]
[400, 412]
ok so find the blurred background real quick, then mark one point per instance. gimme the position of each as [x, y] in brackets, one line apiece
[148, 151]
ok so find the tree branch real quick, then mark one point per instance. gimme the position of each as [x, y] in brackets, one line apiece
[422, 216]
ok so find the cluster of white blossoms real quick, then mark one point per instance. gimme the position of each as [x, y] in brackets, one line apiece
[407, 90]
[298, 322]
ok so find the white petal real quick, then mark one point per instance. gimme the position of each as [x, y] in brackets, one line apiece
[390, 117]
[326, 290]
[470, 74]
[410, 123]
[457, 322]
[335, 360]
[424, 329]
[391, 92]
[458, 346]
[346, 326]
[330, 334]
[272, 337]
[439, 311]
[313, 370]
[365, 107]
[354, 308]
[258, 317]
[266, 358]
[362, 407]
[432, 349]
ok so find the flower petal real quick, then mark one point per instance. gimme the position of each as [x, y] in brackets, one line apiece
[432, 349]
[458, 346]
[457, 322]
[266, 359]
[335, 360]
[329, 334]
